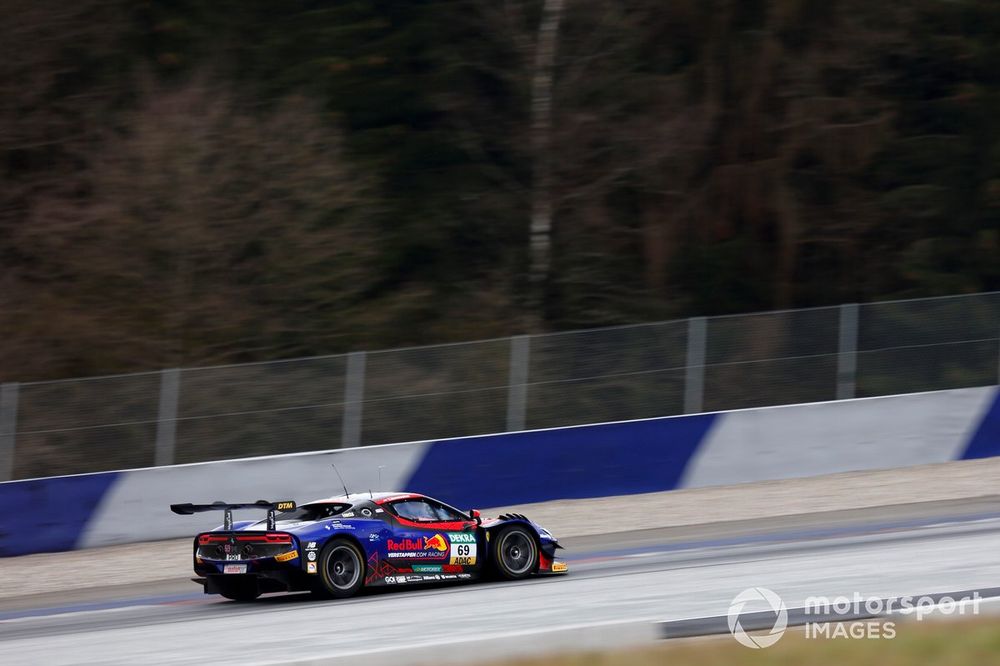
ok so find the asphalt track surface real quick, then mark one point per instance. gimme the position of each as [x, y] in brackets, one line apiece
[619, 587]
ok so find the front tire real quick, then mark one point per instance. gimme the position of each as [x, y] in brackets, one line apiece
[341, 569]
[515, 553]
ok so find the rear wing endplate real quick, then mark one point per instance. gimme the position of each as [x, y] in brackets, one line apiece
[271, 507]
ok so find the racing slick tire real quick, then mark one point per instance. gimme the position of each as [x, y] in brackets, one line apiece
[515, 552]
[341, 570]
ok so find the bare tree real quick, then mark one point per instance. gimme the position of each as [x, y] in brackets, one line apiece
[592, 120]
[211, 233]
[542, 94]
[50, 122]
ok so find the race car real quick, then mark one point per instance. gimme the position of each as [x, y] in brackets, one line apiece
[334, 547]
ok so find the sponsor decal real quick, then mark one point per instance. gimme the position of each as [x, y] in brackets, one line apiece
[349, 514]
[435, 547]
[405, 544]
[391, 580]
[234, 569]
[311, 545]
[451, 568]
[379, 510]
[463, 549]
[427, 568]
[341, 526]
[559, 567]
[311, 555]
[284, 506]
[373, 537]
[284, 557]
[310, 567]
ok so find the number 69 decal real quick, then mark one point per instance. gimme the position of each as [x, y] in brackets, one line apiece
[463, 553]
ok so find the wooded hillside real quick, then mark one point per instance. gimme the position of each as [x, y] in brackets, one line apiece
[189, 183]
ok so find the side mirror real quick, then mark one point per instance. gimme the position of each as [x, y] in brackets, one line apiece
[474, 514]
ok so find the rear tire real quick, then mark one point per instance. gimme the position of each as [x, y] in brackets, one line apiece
[341, 570]
[515, 553]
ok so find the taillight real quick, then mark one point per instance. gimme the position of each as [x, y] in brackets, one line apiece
[278, 538]
[209, 539]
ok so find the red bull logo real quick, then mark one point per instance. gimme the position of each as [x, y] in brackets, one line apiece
[405, 544]
[435, 543]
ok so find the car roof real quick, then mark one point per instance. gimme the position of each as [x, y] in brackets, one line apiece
[377, 497]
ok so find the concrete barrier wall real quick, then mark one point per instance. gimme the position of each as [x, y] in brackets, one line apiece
[62, 513]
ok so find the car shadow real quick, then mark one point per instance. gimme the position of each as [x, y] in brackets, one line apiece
[290, 598]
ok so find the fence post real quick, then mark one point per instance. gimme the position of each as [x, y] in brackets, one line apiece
[8, 429]
[517, 386]
[847, 351]
[166, 420]
[354, 393]
[694, 377]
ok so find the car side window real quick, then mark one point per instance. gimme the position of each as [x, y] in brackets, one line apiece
[417, 510]
[446, 514]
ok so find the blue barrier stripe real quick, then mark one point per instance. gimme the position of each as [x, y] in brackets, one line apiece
[45, 515]
[538, 466]
[985, 442]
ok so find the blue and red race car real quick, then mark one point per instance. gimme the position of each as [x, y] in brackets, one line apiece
[336, 546]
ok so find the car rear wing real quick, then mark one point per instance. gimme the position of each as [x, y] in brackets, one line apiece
[271, 507]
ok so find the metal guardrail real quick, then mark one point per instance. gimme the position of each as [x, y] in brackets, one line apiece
[610, 374]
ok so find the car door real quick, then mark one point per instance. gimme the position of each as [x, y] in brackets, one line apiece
[432, 541]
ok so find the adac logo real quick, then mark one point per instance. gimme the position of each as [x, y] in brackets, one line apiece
[435, 542]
